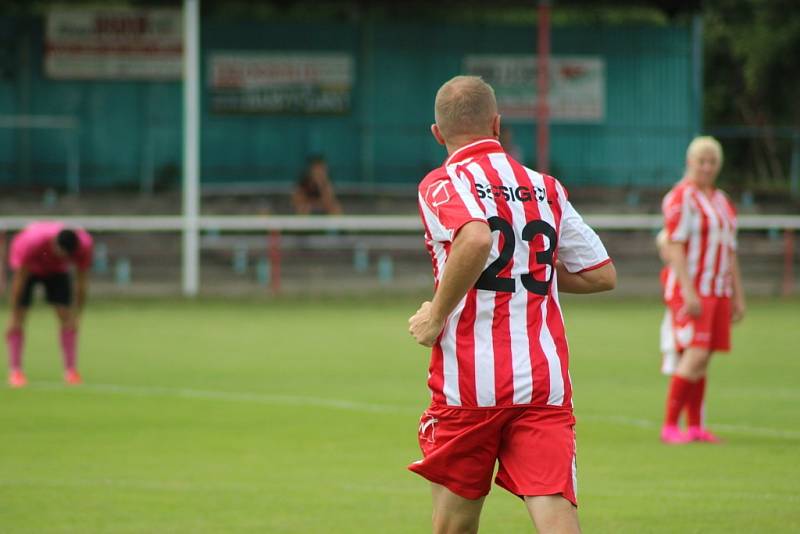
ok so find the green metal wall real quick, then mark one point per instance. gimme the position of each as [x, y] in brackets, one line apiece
[130, 132]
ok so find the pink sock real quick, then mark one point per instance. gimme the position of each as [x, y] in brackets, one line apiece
[69, 348]
[14, 339]
[678, 395]
[695, 403]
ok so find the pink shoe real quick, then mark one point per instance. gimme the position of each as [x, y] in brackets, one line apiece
[673, 435]
[16, 379]
[72, 378]
[698, 433]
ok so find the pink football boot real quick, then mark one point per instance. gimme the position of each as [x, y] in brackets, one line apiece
[673, 435]
[72, 378]
[698, 433]
[16, 379]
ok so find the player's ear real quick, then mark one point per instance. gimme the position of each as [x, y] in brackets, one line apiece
[437, 134]
[496, 126]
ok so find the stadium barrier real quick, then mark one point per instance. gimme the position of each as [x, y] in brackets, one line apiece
[293, 254]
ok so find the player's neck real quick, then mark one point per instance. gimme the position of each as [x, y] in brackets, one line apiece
[706, 189]
[456, 144]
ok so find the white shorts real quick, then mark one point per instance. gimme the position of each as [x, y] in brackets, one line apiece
[669, 352]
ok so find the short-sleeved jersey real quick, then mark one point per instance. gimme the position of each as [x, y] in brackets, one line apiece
[32, 248]
[706, 225]
[504, 344]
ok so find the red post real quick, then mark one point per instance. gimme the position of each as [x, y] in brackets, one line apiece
[788, 262]
[275, 261]
[543, 86]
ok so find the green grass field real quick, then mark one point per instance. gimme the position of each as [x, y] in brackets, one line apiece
[300, 417]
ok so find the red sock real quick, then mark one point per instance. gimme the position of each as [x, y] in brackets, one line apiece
[679, 389]
[69, 348]
[14, 340]
[694, 406]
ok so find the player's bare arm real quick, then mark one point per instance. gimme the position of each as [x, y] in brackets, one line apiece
[467, 259]
[18, 284]
[738, 301]
[603, 278]
[81, 284]
[677, 260]
[661, 244]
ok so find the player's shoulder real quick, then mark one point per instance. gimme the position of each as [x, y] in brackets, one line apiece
[436, 175]
[553, 188]
[683, 187]
[726, 200]
[679, 192]
[436, 183]
[723, 195]
[552, 182]
[36, 227]
[37, 230]
[84, 235]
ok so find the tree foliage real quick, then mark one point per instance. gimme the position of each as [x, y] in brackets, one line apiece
[752, 78]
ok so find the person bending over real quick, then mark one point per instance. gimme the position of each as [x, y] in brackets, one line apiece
[42, 254]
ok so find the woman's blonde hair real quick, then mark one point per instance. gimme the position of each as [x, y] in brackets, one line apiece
[704, 142]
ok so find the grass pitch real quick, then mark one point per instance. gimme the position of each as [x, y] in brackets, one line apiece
[300, 417]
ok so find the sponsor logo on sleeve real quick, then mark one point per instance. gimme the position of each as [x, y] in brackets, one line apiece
[438, 193]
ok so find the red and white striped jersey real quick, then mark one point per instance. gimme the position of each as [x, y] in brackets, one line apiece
[706, 224]
[504, 344]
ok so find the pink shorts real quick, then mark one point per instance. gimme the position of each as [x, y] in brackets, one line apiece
[534, 446]
[711, 330]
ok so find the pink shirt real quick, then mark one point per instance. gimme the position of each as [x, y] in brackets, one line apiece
[33, 249]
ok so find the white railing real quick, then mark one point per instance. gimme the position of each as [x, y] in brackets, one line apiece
[337, 227]
[348, 223]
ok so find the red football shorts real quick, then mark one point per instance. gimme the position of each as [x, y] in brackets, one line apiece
[711, 330]
[535, 449]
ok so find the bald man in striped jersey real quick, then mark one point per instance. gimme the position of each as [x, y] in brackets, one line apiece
[503, 240]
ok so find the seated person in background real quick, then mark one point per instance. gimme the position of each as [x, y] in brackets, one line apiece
[314, 192]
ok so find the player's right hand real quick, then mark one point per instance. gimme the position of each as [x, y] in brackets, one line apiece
[423, 327]
[692, 305]
[738, 310]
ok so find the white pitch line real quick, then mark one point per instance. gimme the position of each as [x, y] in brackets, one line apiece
[340, 404]
[193, 487]
[260, 398]
[733, 429]
[691, 495]
[148, 485]
[757, 431]
[618, 419]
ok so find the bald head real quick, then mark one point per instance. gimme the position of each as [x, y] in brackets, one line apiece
[465, 107]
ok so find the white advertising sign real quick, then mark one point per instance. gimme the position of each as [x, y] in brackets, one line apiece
[114, 44]
[576, 85]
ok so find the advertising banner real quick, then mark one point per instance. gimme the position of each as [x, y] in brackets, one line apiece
[576, 92]
[113, 44]
[247, 82]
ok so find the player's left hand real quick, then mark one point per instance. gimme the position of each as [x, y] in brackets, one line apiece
[737, 311]
[423, 327]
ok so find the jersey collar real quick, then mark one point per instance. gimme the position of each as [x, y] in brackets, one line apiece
[481, 146]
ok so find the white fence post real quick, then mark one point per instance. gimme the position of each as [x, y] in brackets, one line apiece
[191, 136]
